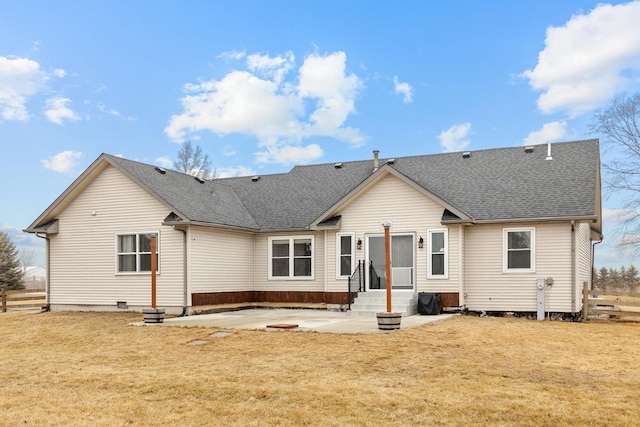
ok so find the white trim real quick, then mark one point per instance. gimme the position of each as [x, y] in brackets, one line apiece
[137, 254]
[430, 232]
[414, 267]
[339, 254]
[505, 267]
[291, 239]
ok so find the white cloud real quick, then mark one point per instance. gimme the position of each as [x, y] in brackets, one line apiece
[59, 72]
[62, 162]
[617, 216]
[550, 132]
[228, 151]
[263, 103]
[403, 89]
[56, 110]
[164, 162]
[232, 55]
[289, 154]
[455, 138]
[589, 59]
[20, 79]
[234, 171]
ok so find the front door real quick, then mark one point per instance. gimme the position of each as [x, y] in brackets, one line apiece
[402, 262]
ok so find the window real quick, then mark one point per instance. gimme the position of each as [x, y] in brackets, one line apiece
[345, 252]
[437, 249]
[519, 250]
[291, 257]
[133, 252]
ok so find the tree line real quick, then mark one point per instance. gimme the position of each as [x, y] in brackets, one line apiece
[626, 279]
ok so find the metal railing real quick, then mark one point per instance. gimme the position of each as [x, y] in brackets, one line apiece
[356, 283]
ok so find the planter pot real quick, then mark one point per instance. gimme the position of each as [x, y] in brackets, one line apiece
[388, 321]
[153, 315]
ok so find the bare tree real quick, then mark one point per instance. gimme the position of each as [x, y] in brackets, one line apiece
[26, 257]
[618, 126]
[193, 161]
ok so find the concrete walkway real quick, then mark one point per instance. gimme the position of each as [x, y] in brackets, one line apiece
[307, 320]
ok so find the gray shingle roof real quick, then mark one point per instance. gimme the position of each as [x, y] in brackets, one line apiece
[490, 185]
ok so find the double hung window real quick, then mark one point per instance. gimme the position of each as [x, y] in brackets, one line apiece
[519, 250]
[437, 247]
[291, 257]
[133, 253]
[345, 252]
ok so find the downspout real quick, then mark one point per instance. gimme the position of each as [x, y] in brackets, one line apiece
[47, 262]
[593, 254]
[326, 267]
[573, 267]
[185, 294]
[461, 267]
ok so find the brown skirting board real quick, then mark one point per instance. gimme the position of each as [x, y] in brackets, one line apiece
[449, 299]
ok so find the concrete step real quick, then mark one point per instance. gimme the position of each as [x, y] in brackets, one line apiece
[370, 303]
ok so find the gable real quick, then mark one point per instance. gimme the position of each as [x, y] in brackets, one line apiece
[389, 197]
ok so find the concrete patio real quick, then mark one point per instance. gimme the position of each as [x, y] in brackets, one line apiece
[305, 319]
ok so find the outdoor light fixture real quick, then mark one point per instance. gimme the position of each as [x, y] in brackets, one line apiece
[421, 242]
[359, 244]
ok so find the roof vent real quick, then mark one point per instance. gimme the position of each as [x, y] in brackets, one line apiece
[549, 152]
[255, 178]
[376, 162]
[161, 170]
[466, 154]
[528, 149]
[338, 165]
[200, 180]
[391, 161]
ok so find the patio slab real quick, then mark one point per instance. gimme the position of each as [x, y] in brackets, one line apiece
[307, 320]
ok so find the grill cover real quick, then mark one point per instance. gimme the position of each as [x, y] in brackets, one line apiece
[429, 303]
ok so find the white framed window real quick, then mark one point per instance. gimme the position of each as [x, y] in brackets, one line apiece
[291, 257]
[438, 254]
[519, 250]
[133, 253]
[345, 254]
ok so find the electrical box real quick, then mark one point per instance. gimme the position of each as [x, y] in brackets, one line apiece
[548, 281]
[540, 297]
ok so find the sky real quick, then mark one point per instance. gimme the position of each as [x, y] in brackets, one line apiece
[262, 86]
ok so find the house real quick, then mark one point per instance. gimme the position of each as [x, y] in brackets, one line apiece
[481, 228]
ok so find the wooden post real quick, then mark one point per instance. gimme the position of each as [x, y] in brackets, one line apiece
[4, 300]
[387, 251]
[153, 271]
[585, 301]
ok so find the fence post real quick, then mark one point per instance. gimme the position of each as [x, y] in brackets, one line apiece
[4, 300]
[585, 301]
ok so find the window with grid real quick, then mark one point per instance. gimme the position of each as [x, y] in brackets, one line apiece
[291, 257]
[133, 253]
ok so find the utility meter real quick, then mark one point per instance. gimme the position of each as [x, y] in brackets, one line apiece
[540, 283]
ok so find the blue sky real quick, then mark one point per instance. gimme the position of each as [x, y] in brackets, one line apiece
[264, 85]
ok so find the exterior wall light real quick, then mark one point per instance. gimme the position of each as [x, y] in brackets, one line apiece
[421, 243]
[359, 244]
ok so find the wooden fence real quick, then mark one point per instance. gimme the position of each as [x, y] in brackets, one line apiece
[610, 304]
[21, 299]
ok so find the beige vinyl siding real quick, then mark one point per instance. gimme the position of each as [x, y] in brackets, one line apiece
[220, 261]
[490, 289]
[83, 253]
[412, 213]
[583, 253]
[262, 281]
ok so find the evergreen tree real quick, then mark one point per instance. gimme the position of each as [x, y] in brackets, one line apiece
[10, 274]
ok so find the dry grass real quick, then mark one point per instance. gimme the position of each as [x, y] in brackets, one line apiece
[93, 369]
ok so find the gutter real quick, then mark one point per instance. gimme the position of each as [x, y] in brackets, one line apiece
[591, 218]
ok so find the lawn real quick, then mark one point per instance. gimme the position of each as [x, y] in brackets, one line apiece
[95, 369]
